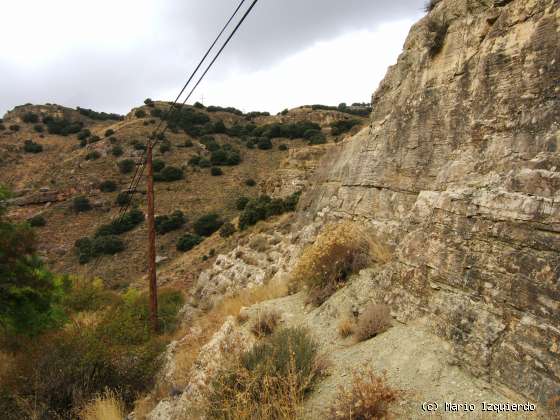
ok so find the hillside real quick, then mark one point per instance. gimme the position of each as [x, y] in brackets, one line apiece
[63, 172]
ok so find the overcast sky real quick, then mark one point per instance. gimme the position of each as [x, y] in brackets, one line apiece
[110, 55]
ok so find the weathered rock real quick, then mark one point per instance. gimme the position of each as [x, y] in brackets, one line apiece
[36, 198]
[458, 173]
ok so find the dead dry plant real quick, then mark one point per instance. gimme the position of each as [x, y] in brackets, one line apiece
[374, 320]
[107, 406]
[369, 397]
[265, 323]
[341, 250]
[346, 327]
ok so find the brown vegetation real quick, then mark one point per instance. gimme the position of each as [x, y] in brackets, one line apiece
[265, 323]
[105, 407]
[374, 320]
[369, 397]
[340, 250]
[346, 327]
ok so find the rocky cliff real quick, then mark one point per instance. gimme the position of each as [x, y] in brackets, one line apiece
[459, 174]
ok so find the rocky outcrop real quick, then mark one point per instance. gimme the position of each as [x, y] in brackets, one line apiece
[459, 173]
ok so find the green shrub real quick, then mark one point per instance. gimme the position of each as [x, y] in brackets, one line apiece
[263, 207]
[81, 204]
[94, 155]
[169, 174]
[107, 245]
[87, 295]
[149, 102]
[30, 118]
[198, 105]
[158, 165]
[140, 113]
[227, 230]
[195, 160]
[188, 119]
[284, 112]
[188, 143]
[109, 132]
[250, 182]
[156, 113]
[14, 127]
[230, 110]
[99, 116]
[165, 147]
[94, 139]
[108, 186]
[29, 146]
[37, 221]
[264, 143]
[207, 224]
[126, 166]
[38, 128]
[138, 145]
[61, 126]
[225, 156]
[123, 198]
[219, 127]
[241, 203]
[168, 223]
[282, 147]
[216, 171]
[84, 134]
[117, 151]
[188, 242]
[315, 137]
[126, 223]
[343, 126]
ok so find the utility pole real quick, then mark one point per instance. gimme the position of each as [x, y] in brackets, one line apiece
[151, 239]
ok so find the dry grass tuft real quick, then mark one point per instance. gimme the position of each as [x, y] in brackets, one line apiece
[340, 250]
[368, 398]
[374, 320]
[268, 382]
[105, 407]
[346, 327]
[266, 323]
[554, 407]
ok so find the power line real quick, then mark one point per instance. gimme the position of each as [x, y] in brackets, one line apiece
[141, 171]
[141, 162]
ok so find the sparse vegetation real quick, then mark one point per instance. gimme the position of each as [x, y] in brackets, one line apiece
[122, 198]
[107, 406]
[29, 146]
[140, 113]
[158, 165]
[241, 203]
[369, 397]
[374, 320]
[109, 132]
[62, 127]
[188, 242]
[80, 204]
[38, 128]
[169, 223]
[84, 134]
[250, 182]
[14, 127]
[339, 251]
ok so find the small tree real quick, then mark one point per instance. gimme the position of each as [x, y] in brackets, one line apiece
[227, 230]
[117, 151]
[207, 224]
[81, 204]
[126, 166]
[188, 242]
[216, 171]
[108, 186]
[140, 113]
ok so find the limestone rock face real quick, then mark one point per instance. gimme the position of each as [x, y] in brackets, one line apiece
[459, 172]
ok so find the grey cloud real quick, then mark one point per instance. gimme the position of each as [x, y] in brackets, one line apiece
[181, 31]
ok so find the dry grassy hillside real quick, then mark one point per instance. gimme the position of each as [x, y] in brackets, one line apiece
[47, 182]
